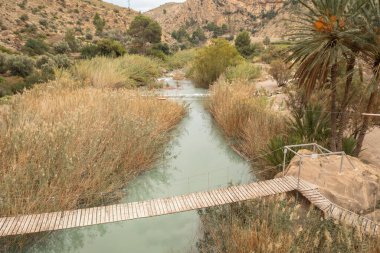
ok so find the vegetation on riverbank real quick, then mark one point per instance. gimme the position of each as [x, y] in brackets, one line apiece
[65, 147]
[245, 117]
[277, 224]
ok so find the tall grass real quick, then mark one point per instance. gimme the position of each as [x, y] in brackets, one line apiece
[181, 59]
[60, 148]
[243, 71]
[277, 225]
[245, 117]
[123, 72]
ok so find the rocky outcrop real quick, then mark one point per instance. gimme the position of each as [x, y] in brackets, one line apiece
[357, 188]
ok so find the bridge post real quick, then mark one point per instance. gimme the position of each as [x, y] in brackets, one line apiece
[299, 172]
[341, 162]
[284, 163]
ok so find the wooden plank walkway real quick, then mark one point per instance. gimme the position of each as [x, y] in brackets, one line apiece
[36, 223]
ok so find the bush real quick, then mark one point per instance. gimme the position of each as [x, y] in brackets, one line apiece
[89, 51]
[61, 47]
[24, 17]
[21, 65]
[210, 62]
[243, 44]
[266, 41]
[99, 23]
[246, 71]
[44, 60]
[3, 63]
[111, 48]
[71, 40]
[280, 72]
[62, 61]
[43, 22]
[35, 47]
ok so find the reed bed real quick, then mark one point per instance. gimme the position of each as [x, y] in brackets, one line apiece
[277, 225]
[124, 72]
[66, 148]
[244, 115]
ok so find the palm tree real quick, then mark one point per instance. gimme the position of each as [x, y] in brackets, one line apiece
[325, 41]
[371, 52]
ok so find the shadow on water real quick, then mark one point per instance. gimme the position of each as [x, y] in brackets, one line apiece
[198, 158]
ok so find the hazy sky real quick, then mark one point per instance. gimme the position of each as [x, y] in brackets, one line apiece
[142, 5]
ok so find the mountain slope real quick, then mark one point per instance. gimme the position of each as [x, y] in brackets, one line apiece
[236, 14]
[48, 19]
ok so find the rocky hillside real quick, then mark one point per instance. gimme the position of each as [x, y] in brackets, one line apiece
[236, 14]
[21, 19]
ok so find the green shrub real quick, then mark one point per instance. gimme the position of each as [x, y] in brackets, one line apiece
[21, 65]
[24, 17]
[266, 41]
[71, 40]
[243, 44]
[111, 48]
[43, 22]
[35, 47]
[349, 145]
[62, 61]
[210, 62]
[3, 63]
[246, 71]
[43, 60]
[99, 23]
[89, 51]
[61, 47]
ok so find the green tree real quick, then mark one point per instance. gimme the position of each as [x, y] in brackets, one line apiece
[243, 44]
[198, 36]
[144, 31]
[212, 61]
[99, 23]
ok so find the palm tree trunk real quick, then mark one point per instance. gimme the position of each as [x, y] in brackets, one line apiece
[343, 111]
[333, 114]
[366, 122]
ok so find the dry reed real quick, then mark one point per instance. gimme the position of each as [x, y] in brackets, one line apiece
[65, 148]
[245, 117]
[123, 72]
[277, 225]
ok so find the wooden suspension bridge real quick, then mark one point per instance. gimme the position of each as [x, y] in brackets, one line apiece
[36, 223]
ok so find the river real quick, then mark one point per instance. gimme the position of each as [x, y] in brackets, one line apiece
[199, 158]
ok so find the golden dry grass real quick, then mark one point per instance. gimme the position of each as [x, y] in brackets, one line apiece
[64, 148]
[278, 225]
[124, 72]
[245, 117]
